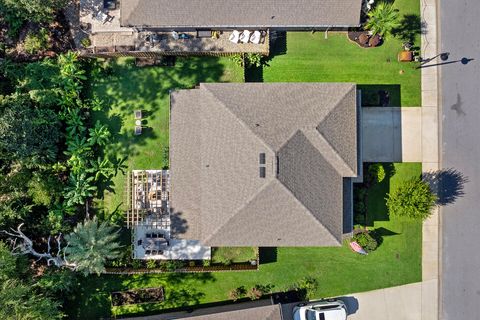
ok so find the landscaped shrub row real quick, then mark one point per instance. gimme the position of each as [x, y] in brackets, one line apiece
[232, 267]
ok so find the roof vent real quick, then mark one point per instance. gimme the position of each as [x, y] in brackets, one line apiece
[262, 172]
[262, 158]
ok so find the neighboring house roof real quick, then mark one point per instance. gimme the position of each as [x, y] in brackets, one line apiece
[258, 313]
[308, 134]
[255, 310]
[247, 13]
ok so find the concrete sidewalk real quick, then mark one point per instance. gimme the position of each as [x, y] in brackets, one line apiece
[430, 158]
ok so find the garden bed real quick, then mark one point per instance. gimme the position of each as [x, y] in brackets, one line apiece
[148, 295]
[230, 255]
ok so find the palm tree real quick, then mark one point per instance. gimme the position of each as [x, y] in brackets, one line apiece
[382, 19]
[99, 134]
[90, 245]
[79, 189]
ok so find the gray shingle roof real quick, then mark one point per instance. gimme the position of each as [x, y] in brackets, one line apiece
[247, 13]
[216, 135]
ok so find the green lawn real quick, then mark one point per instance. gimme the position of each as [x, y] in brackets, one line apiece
[338, 270]
[233, 254]
[310, 57]
[126, 88]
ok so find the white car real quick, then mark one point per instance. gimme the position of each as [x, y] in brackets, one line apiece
[321, 310]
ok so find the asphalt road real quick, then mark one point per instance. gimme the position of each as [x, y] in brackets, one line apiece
[460, 150]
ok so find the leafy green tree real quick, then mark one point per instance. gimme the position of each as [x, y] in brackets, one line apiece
[80, 188]
[90, 245]
[382, 19]
[27, 134]
[99, 134]
[413, 199]
[17, 12]
[18, 301]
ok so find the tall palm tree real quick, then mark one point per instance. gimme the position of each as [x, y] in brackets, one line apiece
[90, 245]
[382, 19]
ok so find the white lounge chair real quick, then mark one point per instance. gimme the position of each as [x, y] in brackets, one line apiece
[245, 36]
[235, 36]
[256, 37]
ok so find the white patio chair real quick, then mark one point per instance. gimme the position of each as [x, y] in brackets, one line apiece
[235, 36]
[245, 36]
[255, 38]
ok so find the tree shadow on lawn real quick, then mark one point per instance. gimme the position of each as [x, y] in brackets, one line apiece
[410, 28]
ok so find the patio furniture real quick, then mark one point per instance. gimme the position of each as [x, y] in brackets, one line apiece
[184, 36]
[138, 130]
[235, 36]
[138, 114]
[148, 235]
[175, 35]
[256, 37]
[110, 4]
[138, 122]
[148, 252]
[139, 242]
[204, 33]
[245, 36]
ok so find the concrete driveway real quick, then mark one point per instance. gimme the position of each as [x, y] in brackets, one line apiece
[391, 134]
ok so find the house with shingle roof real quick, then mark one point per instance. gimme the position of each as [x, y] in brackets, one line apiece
[152, 28]
[283, 14]
[264, 164]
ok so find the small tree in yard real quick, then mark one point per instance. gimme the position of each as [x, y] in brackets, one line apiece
[376, 172]
[383, 19]
[413, 199]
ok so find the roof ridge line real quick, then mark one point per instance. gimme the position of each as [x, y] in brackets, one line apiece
[308, 210]
[352, 170]
[334, 152]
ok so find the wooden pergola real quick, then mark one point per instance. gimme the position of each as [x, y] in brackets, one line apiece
[146, 194]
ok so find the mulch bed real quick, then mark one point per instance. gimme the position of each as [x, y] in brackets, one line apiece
[148, 295]
[359, 38]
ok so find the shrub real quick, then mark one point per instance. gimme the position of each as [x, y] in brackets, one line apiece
[151, 264]
[253, 60]
[307, 286]
[86, 42]
[259, 290]
[254, 293]
[247, 60]
[366, 241]
[206, 263]
[413, 199]
[237, 293]
[376, 172]
[136, 264]
[35, 42]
